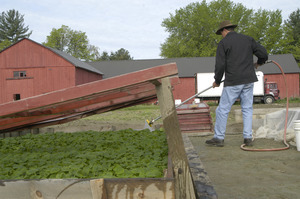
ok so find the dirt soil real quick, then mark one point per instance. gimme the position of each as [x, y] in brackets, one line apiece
[236, 174]
[241, 174]
[246, 175]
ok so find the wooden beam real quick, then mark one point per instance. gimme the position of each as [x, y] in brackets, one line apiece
[69, 114]
[202, 184]
[183, 181]
[121, 81]
[89, 188]
[98, 189]
[94, 97]
[156, 82]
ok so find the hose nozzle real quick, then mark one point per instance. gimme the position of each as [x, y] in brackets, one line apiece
[149, 122]
[268, 61]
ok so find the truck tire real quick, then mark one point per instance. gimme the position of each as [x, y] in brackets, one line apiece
[269, 99]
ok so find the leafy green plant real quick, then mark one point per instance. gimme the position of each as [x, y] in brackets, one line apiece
[122, 154]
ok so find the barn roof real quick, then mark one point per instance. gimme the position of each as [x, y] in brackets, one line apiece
[187, 67]
[76, 62]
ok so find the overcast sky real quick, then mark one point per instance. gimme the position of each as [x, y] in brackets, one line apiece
[113, 24]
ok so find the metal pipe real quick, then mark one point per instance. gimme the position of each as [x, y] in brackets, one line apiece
[152, 121]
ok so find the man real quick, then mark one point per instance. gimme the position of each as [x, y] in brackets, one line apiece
[235, 58]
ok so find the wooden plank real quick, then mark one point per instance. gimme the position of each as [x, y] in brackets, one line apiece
[34, 192]
[121, 81]
[203, 185]
[10, 124]
[140, 188]
[183, 181]
[192, 111]
[47, 188]
[194, 119]
[191, 122]
[113, 96]
[93, 98]
[130, 188]
[98, 189]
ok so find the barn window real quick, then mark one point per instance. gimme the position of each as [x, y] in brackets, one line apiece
[19, 74]
[17, 97]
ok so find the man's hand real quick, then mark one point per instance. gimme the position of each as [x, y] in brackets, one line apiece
[256, 65]
[215, 85]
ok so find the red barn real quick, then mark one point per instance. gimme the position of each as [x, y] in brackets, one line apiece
[188, 67]
[28, 68]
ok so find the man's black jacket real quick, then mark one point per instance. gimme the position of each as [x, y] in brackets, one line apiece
[235, 58]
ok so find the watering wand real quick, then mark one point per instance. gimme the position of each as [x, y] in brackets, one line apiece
[153, 120]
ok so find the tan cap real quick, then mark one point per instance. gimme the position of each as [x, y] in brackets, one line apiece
[225, 24]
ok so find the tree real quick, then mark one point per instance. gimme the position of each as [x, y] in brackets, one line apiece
[121, 54]
[266, 28]
[59, 38]
[192, 28]
[94, 52]
[4, 44]
[77, 44]
[294, 23]
[72, 42]
[293, 31]
[12, 27]
[104, 57]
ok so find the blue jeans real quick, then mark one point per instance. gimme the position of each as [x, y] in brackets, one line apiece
[229, 95]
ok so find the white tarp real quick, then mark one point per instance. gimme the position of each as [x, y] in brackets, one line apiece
[273, 127]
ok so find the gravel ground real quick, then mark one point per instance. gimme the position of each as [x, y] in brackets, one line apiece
[246, 175]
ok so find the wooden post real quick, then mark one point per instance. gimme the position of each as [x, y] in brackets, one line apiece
[183, 181]
[97, 188]
[34, 192]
